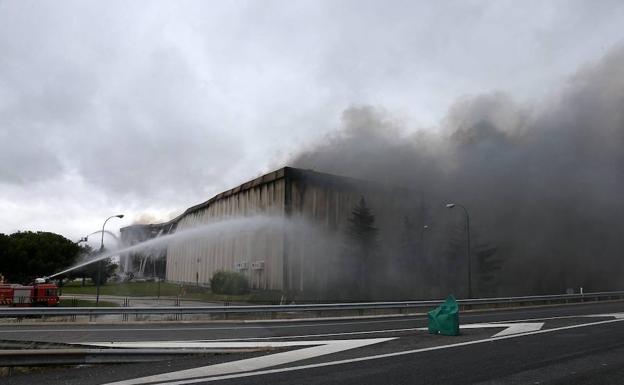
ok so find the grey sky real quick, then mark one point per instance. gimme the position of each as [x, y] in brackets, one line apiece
[148, 107]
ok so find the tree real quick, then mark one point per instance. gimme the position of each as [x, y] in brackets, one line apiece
[486, 263]
[410, 242]
[488, 266]
[27, 255]
[451, 267]
[362, 242]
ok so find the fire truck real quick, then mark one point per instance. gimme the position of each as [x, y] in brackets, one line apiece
[39, 293]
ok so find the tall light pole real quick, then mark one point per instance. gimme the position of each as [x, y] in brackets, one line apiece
[450, 206]
[99, 266]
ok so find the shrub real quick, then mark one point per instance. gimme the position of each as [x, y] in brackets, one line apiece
[229, 282]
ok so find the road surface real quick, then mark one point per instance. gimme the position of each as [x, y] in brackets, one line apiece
[571, 344]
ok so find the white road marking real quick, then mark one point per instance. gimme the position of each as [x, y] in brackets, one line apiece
[23, 330]
[510, 328]
[289, 337]
[320, 348]
[614, 315]
[205, 344]
[381, 356]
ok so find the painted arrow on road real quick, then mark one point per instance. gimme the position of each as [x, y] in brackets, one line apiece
[318, 348]
[510, 328]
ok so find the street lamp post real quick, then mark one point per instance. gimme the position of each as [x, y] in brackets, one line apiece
[99, 266]
[450, 206]
[422, 240]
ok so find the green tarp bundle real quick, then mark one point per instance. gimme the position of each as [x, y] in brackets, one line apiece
[445, 318]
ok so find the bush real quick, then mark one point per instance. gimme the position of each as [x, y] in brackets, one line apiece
[229, 282]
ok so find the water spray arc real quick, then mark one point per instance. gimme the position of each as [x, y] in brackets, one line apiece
[205, 232]
[99, 268]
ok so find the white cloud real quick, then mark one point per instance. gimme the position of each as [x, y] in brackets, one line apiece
[152, 106]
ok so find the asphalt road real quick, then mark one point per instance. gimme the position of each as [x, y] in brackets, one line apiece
[573, 344]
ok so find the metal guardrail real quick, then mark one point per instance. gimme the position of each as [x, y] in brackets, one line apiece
[401, 307]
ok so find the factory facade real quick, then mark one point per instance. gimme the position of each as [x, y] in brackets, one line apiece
[298, 248]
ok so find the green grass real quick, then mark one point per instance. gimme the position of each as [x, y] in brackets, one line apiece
[150, 289]
[85, 303]
[125, 289]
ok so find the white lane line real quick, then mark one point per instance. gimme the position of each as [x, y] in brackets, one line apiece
[257, 363]
[204, 328]
[381, 356]
[286, 337]
[204, 344]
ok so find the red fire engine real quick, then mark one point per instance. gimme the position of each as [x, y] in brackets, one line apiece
[38, 293]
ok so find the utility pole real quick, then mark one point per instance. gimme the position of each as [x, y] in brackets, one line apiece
[450, 206]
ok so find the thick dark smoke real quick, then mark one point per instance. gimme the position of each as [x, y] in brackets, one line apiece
[543, 184]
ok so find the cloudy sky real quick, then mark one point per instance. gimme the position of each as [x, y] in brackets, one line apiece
[148, 107]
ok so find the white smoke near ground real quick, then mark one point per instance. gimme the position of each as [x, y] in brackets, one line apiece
[543, 182]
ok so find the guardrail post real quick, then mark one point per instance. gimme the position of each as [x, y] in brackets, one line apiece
[126, 303]
[74, 303]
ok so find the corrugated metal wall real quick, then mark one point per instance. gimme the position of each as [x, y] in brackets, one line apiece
[313, 251]
[197, 260]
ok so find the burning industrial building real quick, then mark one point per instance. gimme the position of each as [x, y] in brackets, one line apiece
[308, 244]
[542, 184]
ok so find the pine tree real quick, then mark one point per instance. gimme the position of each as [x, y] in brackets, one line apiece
[409, 242]
[362, 242]
[489, 264]
[450, 269]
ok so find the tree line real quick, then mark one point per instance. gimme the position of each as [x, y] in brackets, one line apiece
[365, 256]
[27, 255]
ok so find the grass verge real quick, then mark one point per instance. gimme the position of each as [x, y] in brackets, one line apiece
[151, 289]
[69, 302]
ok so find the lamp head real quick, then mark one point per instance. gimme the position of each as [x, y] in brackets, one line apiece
[119, 216]
[450, 205]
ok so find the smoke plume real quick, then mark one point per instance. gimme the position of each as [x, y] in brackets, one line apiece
[543, 183]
